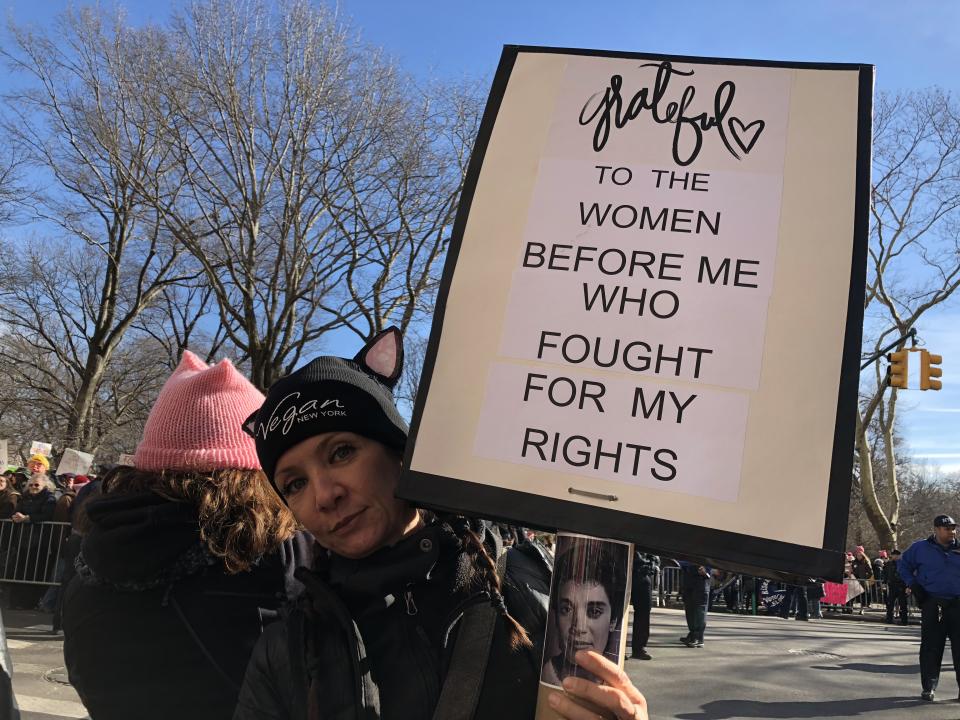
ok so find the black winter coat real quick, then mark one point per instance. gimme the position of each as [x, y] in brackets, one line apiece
[154, 627]
[694, 587]
[39, 506]
[891, 574]
[373, 639]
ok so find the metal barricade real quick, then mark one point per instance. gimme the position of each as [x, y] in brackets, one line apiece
[30, 552]
[669, 585]
[876, 595]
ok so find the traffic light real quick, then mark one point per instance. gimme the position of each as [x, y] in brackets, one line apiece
[897, 369]
[928, 371]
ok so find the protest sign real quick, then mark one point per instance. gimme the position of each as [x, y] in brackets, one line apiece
[670, 257]
[40, 448]
[125, 459]
[4, 454]
[74, 462]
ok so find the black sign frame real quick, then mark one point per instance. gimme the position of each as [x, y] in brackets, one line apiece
[667, 537]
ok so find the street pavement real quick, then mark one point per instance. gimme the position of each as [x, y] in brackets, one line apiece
[751, 667]
[39, 678]
[764, 667]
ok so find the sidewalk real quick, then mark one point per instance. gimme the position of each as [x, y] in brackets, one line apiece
[39, 676]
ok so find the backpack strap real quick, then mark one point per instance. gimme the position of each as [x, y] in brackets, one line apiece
[468, 666]
[461, 688]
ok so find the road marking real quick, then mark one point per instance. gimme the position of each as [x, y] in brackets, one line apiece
[61, 708]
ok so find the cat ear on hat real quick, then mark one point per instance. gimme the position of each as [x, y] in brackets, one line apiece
[250, 424]
[382, 356]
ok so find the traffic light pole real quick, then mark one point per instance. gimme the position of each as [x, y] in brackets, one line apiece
[896, 343]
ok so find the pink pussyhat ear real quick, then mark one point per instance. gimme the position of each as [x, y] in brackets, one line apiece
[383, 356]
[190, 361]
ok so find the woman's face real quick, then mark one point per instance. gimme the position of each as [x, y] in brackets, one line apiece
[3, 483]
[341, 486]
[584, 617]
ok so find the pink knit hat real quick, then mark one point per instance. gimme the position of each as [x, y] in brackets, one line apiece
[196, 422]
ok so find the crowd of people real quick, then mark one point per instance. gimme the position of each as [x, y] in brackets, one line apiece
[31, 548]
[253, 562]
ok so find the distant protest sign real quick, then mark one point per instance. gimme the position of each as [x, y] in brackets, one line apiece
[669, 254]
[74, 462]
[125, 459]
[4, 454]
[40, 448]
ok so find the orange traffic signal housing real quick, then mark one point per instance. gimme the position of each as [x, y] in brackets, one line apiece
[928, 371]
[897, 369]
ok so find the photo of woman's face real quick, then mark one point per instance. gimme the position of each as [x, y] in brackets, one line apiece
[584, 617]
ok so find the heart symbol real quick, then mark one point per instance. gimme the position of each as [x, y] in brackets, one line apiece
[738, 130]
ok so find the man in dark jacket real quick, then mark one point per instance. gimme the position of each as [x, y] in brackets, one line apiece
[645, 568]
[695, 593]
[896, 588]
[931, 570]
[32, 541]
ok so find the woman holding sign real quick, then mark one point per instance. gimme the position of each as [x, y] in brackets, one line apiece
[407, 614]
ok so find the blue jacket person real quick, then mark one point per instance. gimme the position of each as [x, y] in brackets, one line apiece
[931, 570]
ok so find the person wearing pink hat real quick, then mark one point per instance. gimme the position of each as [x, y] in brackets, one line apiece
[186, 555]
[863, 571]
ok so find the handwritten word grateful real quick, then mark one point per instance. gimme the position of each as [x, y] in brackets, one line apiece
[612, 110]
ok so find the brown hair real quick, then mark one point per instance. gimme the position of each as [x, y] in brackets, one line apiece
[484, 575]
[241, 518]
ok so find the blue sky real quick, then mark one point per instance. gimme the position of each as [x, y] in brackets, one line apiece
[913, 45]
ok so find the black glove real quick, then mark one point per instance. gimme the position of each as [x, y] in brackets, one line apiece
[918, 593]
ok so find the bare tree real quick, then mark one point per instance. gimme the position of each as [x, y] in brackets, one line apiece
[51, 302]
[316, 183]
[914, 266]
[401, 203]
[179, 321]
[88, 125]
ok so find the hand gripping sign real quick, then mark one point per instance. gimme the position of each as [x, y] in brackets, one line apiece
[650, 317]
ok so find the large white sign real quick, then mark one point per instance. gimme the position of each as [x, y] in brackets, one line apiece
[74, 462]
[648, 306]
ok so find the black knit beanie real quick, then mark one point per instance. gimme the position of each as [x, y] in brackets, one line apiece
[332, 394]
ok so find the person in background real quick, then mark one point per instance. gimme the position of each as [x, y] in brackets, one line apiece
[863, 571]
[186, 556]
[38, 464]
[31, 541]
[732, 594]
[878, 563]
[896, 588]
[815, 594]
[931, 570]
[794, 597]
[59, 534]
[695, 593]
[646, 567]
[20, 477]
[9, 497]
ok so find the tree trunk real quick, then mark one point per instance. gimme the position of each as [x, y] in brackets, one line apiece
[885, 532]
[78, 430]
